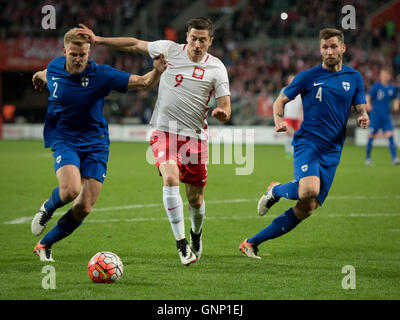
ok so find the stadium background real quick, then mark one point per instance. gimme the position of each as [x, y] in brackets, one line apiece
[257, 47]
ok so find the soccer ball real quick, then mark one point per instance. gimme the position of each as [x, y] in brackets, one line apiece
[105, 267]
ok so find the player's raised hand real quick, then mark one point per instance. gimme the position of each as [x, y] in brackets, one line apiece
[39, 80]
[93, 39]
[280, 126]
[363, 121]
[220, 114]
[159, 63]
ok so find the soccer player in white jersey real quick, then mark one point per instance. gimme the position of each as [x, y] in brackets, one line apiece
[293, 115]
[179, 141]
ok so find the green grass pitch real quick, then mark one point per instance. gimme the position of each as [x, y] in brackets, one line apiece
[358, 225]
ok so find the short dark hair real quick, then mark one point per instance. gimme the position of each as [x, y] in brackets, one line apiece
[328, 33]
[387, 69]
[201, 23]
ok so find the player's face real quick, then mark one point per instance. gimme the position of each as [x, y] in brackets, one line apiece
[77, 57]
[384, 76]
[198, 43]
[332, 51]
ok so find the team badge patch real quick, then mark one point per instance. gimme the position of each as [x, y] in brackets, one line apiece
[346, 85]
[304, 168]
[84, 81]
[198, 73]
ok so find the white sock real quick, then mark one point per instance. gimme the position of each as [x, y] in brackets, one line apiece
[197, 217]
[173, 205]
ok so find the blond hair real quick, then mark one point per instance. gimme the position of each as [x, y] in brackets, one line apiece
[73, 37]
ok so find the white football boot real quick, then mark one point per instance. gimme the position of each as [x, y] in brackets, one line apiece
[185, 254]
[249, 250]
[44, 252]
[267, 200]
[40, 220]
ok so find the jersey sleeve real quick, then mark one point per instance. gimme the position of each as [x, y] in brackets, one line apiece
[222, 83]
[359, 95]
[114, 79]
[297, 86]
[155, 48]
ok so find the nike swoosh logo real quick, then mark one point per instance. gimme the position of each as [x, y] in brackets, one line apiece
[53, 78]
[317, 84]
[169, 209]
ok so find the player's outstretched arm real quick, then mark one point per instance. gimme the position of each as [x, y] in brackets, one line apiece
[39, 80]
[223, 110]
[369, 104]
[127, 44]
[363, 119]
[278, 109]
[148, 81]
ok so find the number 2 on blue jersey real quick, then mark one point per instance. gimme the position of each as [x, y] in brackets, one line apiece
[55, 85]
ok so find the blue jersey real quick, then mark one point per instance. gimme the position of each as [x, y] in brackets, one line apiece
[75, 105]
[327, 99]
[381, 97]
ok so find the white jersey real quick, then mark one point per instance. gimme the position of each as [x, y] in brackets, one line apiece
[293, 109]
[185, 90]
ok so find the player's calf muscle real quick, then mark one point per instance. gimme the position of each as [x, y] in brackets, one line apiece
[195, 201]
[304, 208]
[81, 211]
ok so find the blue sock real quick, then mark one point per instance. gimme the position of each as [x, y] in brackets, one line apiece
[54, 201]
[278, 227]
[392, 148]
[288, 190]
[64, 227]
[369, 148]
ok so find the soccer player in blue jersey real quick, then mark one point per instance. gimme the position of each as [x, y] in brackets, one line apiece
[77, 132]
[379, 99]
[328, 92]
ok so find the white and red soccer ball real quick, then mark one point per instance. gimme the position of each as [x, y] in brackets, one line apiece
[105, 267]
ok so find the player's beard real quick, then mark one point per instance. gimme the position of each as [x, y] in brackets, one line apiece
[332, 62]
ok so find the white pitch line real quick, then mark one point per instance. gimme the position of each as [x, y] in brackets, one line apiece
[255, 216]
[22, 220]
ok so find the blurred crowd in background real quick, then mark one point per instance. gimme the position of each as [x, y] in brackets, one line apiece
[258, 48]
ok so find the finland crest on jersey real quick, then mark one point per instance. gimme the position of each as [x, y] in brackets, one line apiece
[84, 81]
[346, 85]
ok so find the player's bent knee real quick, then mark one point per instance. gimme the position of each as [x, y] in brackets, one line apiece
[308, 193]
[68, 194]
[171, 180]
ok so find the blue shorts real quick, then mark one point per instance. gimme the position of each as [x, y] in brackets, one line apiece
[91, 164]
[385, 124]
[309, 161]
